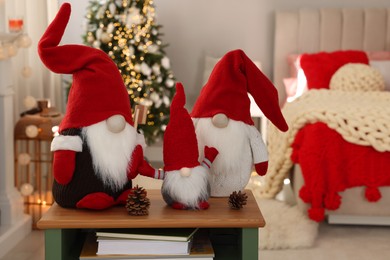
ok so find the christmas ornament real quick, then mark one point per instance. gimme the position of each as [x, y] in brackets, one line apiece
[26, 189]
[24, 41]
[112, 8]
[237, 200]
[169, 83]
[156, 69]
[186, 185]
[29, 102]
[24, 159]
[110, 28]
[26, 71]
[137, 204]
[90, 38]
[145, 69]
[153, 48]
[97, 152]
[3, 52]
[165, 62]
[12, 50]
[105, 37]
[32, 131]
[222, 118]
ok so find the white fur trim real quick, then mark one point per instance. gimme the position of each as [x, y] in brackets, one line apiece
[259, 150]
[67, 142]
[159, 174]
[206, 163]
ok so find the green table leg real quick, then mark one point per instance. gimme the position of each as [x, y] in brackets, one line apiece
[250, 244]
[62, 244]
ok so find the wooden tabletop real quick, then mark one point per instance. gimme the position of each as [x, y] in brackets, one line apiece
[219, 215]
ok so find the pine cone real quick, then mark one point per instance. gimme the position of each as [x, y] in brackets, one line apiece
[137, 204]
[237, 200]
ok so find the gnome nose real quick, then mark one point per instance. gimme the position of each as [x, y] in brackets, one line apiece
[220, 120]
[185, 172]
[116, 123]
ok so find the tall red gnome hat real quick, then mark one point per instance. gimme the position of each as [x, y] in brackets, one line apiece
[97, 91]
[180, 143]
[227, 90]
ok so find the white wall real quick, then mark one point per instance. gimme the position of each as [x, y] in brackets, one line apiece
[195, 28]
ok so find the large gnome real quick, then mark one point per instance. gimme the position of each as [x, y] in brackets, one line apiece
[222, 120]
[186, 184]
[98, 151]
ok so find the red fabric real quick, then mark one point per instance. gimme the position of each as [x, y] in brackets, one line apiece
[261, 168]
[64, 162]
[97, 91]
[330, 165]
[226, 92]
[320, 67]
[180, 148]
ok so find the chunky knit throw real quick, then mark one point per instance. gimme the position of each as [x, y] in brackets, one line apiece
[361, 118]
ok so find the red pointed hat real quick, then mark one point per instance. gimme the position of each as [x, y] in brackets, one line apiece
[180, 143]
[226, 92]
[98, 90]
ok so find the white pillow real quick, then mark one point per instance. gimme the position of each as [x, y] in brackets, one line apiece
[384, 68]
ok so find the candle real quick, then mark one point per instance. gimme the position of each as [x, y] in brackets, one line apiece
[15, 24]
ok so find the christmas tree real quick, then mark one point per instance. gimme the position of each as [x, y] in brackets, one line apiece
[126, 30]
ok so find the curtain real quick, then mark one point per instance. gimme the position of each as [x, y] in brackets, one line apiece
[41, 83]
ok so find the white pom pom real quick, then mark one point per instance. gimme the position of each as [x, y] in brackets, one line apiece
[220, 120]
[116, 123]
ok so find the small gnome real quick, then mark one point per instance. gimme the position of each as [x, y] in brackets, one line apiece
[98, 151]
[186, 184]
[222, 120]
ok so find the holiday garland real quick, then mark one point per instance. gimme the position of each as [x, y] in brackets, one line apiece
[126, 30]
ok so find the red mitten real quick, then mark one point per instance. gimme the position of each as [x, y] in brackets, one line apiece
[63, 165]
[261, 168]
[210, 153]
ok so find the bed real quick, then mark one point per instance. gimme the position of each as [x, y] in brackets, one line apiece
[334, 174]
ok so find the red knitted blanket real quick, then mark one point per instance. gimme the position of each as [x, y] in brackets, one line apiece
[330, 165]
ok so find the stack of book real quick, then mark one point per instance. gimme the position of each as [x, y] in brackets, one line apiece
[133, 244]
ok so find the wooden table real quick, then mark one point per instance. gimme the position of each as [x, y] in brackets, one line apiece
[64, 228]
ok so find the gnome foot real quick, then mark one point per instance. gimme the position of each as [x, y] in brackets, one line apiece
[203, 205]
[97, 200]
[123, 197]
[178, 205]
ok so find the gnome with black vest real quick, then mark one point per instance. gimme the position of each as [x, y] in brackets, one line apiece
[98, 151]
[187, 182]
[222, 120]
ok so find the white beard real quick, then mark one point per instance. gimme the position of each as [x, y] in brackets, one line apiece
[187, 190]
[111, 152]
[232, 167]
